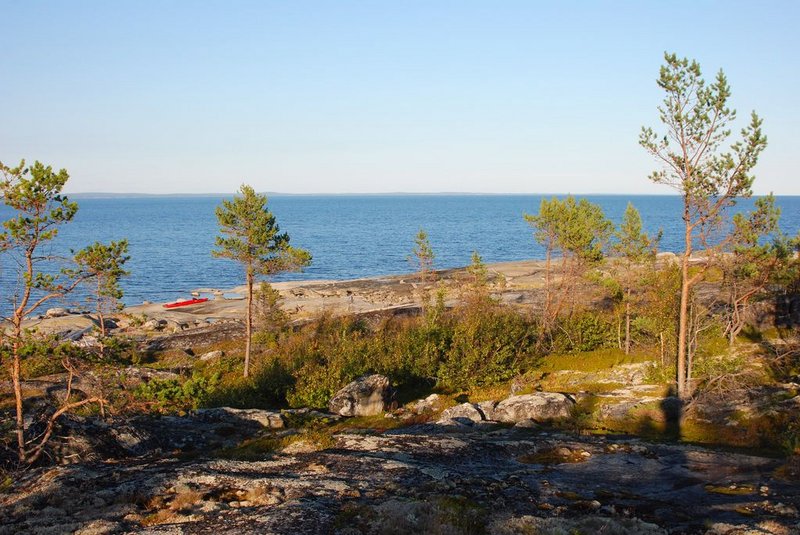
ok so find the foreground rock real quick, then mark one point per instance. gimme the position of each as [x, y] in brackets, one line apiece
[539, 407]
[420, 479]
[366, 396]
[88, 439]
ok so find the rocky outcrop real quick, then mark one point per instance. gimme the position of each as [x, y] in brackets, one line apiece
[541, 406]
[196, 336]
[420, 479]
[267, 419]
[366, 396]
[81, 439]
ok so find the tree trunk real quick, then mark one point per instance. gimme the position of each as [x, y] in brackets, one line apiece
[628, 324]
[15, 378]
[100, 311]
[683, 320]
[248, 324]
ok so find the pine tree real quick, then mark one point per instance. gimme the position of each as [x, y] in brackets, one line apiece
[104, 266]
[34, 196]
[696, 118]
[575, 232]
[634, 248]
[251, 236]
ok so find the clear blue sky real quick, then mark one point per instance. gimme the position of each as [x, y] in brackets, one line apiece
[336, 96]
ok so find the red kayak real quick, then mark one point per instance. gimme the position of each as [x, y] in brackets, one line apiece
[185, 303]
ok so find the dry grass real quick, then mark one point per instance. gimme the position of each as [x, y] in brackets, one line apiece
[185, 501]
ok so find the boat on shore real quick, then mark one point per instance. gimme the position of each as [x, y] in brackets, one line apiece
[186, 302]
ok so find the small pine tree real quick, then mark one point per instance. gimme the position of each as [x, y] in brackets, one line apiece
[577, 231]
[251, 236]
[634, 248]
[103, 266]
[34, 196]
[269, 317]
[758, 252]
[423, 252]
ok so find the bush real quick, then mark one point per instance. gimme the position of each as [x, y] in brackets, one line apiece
[172, 394]
[43, 356]
[585, 331]
[489, 345]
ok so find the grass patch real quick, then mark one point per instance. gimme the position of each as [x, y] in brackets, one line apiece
[259, 449]
[489, 393]
[378, 423]
[591, 361]
[731, 490]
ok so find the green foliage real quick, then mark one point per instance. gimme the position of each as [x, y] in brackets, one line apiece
[252, 237]
[40, 356]
[572, 229]
[173, 394]
[696, 120]
[577, 231]
[471, 348]
[423, 253]
[34, 195]
[759, 251]
[100, 266]
[477, 270]
[122, 350]
[586, 331]
[269, 318]
[633, 244]
[489, 345]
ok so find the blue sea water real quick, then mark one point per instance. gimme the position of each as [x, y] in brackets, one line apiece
[349, 236]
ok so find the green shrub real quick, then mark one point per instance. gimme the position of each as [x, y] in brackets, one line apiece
[489, 345]
[43, 356]
[585, 331]
[173, 394]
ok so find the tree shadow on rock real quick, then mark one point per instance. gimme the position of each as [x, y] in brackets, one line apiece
[672, 412]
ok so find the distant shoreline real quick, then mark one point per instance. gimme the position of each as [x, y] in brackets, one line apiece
[106, 195]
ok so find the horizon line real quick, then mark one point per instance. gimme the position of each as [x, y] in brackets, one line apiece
[388, 193]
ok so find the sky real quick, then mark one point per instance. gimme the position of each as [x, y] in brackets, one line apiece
[378, 96]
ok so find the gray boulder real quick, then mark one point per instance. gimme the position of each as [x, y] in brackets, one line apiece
[366, 396]
[429, 404]
[212, 355]
[465, 411]
[56, 312]
[537, 407]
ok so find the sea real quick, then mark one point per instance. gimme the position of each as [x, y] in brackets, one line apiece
[349, 236]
